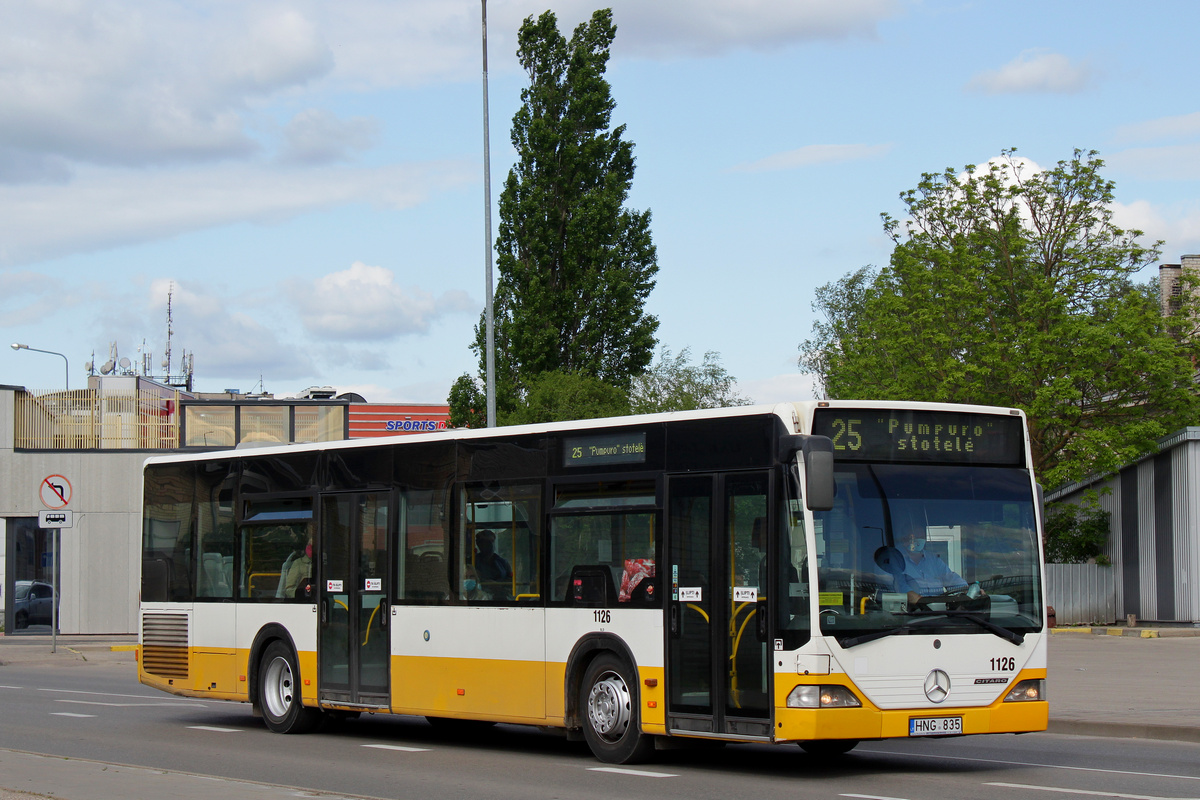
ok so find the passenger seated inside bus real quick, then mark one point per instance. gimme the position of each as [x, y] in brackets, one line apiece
[637, 581]
[296, 572]
[493, 570]
[470, 589]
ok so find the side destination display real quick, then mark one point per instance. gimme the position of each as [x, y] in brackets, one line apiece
[941, 436]
[609, 448]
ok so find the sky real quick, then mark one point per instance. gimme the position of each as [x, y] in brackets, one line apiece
[304, 179]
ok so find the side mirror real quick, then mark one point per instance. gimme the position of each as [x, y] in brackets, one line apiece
[817, 453]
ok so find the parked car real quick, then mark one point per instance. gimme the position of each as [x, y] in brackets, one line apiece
[32, 604]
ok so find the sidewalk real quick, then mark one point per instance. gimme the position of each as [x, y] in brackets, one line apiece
[1126, 682]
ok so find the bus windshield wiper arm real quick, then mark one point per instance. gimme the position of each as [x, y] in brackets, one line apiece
[987, 625]
[907, 628]
[904, 629]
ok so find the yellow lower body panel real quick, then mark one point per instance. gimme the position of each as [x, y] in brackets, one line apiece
[871, 722]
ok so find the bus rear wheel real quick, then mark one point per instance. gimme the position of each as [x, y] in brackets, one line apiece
[611, 722]
[829, 747]
[279, 692]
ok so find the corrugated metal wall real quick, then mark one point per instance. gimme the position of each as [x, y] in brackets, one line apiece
[1082, 594]
[1154, 542]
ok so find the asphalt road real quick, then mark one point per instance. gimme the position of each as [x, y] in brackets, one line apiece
[95, 733]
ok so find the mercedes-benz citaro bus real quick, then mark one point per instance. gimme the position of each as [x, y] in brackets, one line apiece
[817, 573]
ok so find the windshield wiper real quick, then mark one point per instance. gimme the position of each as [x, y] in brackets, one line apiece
[987, 625]
[899, 630]
[908, 628]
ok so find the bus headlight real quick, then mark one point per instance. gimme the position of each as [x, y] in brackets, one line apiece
[1025, 691]
[822, 697]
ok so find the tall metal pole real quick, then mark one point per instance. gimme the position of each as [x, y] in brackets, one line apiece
[489, 320]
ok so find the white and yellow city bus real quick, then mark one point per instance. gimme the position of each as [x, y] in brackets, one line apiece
[818, 572]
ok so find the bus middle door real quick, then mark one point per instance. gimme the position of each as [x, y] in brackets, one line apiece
[353, 633]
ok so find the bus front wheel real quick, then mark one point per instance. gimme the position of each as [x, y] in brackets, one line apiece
[279, 692]
[611, 722]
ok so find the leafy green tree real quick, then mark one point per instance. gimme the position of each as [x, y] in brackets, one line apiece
[1013, 287]
[468, 404]
[1076, 534]
[575, 266]
[673, 383]
[555, 396]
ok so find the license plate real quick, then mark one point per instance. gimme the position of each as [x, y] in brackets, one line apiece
[934, 726]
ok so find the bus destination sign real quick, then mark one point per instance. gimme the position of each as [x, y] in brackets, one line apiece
[861, 434]
[609, 448]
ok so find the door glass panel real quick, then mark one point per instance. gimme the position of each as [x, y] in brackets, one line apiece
[691, 614]
[335, 594]
[372, 585]
[745, 532]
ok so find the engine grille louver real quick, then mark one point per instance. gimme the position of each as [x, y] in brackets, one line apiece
[165, 645]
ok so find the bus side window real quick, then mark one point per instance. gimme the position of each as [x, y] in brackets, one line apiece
[422, 556]
[500, 542]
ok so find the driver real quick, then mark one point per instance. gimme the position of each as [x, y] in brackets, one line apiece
[924, 574]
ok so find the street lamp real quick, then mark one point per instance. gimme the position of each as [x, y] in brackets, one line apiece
[66, 365]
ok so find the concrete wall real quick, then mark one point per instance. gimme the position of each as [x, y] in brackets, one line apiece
[101, 554]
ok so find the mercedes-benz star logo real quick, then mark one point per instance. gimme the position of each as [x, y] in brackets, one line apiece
[937, 686]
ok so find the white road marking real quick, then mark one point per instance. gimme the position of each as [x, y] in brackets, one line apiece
[398, 747]
[1080, 791]
[871, 797]
[1031, 764]
[111, 694]
[10, 687]
[168, 704]
[214, 730]
[69, 714]
[639, 772]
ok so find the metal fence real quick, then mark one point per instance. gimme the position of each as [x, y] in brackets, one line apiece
[83, 420]
[1082, 594]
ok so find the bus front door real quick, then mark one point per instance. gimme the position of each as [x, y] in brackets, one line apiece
[353, 641]
[717, 667]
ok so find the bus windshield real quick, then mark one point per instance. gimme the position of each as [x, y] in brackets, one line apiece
[928, 549]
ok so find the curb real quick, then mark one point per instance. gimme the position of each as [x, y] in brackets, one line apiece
[1141, 633]
[1125, 730]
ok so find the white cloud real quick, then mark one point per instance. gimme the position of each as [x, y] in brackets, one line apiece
[411, 42]
[1034, 71]
[105, 207]
[814, 154]
[28, 297]
[1178, 227]
[1183, 126]
[136, 83]
[671, 28]
[315, 136]
[363, 303]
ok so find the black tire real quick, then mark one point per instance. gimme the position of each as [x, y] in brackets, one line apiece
[22, 621]
[829, 747]
[608, 703]
[279, 692]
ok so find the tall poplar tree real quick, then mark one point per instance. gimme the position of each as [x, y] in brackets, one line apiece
[575, 265]
[1013, 287]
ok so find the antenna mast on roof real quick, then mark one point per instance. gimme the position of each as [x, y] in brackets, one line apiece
[167, 360]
